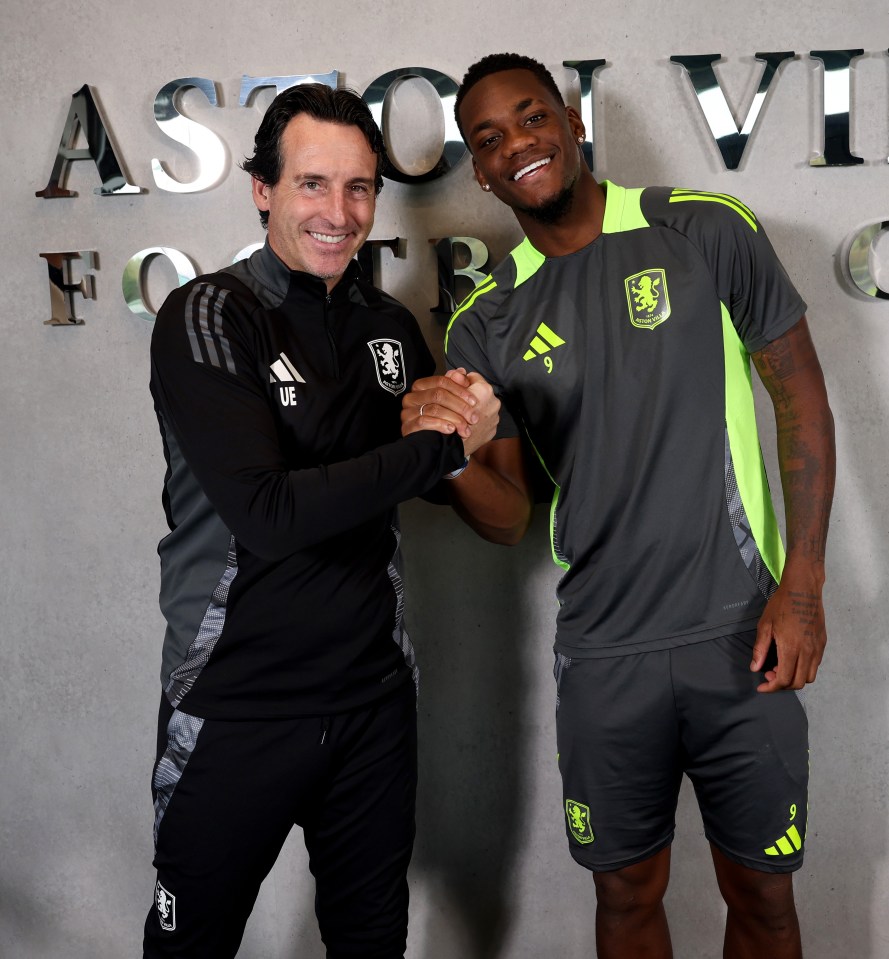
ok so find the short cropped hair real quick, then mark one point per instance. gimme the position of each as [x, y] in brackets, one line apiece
[497, 63]
[341, 106]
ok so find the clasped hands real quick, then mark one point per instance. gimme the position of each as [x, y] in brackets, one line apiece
[458, 402]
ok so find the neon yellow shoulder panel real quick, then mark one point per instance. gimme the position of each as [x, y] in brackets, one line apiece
[528, 260]
[623, 209]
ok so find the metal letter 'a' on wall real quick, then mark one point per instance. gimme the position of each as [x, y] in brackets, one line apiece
[730, 138]
[837, 86]
[453, 149]
[84, 115]
[210, 150]
[586, 71]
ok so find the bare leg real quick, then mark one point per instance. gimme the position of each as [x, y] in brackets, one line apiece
[630, 917]
[761, 913]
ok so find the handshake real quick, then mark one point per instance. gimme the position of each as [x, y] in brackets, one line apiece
[458, 402]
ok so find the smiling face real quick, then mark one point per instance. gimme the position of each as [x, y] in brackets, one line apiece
[322, 207]
[524, 144]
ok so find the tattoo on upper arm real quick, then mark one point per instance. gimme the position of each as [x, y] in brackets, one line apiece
[776, 364]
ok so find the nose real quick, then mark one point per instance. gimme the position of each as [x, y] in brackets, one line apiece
[335, 208]
[517, 140]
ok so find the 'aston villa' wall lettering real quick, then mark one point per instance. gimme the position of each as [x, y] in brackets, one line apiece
[731, 140]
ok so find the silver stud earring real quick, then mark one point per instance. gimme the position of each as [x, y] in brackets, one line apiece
[486, 188]
[581, 138]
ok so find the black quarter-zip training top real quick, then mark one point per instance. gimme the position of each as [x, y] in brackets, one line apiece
[278, 407]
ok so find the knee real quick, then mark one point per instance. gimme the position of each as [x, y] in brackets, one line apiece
[636, 889]
[765, 900]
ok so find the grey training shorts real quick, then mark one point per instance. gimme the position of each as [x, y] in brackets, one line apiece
[628, 727]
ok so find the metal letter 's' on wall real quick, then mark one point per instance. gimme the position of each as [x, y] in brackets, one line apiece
[62, 286]
[730, 138]
[134, 276]
[84, 115]
[860, 254]
[586, 71]
[474, 268]
[453, 149]
[210, 150]
[837, 85]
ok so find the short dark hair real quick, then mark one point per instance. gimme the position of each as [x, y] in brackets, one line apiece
[497, 63]
[343, 106]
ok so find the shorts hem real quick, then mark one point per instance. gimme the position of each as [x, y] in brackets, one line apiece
[777, 867]
[621, 863]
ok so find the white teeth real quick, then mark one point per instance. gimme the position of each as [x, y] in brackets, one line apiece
[530, 167]
[326, 238]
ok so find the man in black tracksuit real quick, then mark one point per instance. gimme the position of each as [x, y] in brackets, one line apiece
[287, 671]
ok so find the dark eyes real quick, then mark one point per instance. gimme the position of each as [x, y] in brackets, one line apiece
[530, 120]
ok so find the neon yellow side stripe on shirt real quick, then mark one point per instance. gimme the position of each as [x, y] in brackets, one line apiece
[486, 285]
[553, 506]
[740, 420]
[746, 214]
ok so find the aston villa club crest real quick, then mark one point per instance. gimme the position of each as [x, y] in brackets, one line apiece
[389, 362]
[579, 821]
[647, 298]
[166, 908]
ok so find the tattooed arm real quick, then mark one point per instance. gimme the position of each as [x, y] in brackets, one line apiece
[794, 616]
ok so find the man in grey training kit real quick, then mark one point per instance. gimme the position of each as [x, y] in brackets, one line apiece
[619, 336]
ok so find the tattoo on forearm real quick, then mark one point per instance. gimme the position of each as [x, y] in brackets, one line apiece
[790, 372]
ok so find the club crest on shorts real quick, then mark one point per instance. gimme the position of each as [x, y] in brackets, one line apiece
[389, 363]
[579, 821]
[647, 298]
[166, 907]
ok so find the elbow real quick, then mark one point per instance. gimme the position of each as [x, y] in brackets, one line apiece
[500, 535]
[512, 536]
[267, 545]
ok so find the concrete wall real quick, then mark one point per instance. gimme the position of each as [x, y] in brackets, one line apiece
[81, 464]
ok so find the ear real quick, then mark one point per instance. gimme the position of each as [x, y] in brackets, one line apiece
[261, 194]
[575, 123]
[480, 179]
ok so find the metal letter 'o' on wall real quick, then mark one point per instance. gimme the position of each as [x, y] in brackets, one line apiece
[453, 150]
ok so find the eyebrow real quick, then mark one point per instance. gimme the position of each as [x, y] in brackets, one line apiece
[521, 105]
[325, 178]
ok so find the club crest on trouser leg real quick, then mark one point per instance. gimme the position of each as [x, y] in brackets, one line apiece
[166, 907]
[579, 821]
[389, 363]
[647, 298]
